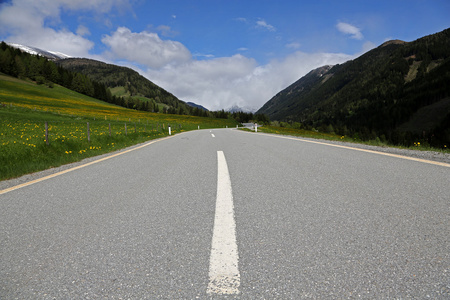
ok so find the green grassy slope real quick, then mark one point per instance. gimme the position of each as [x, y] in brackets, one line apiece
[25, 107]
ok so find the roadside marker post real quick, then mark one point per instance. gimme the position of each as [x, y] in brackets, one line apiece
[170, 132]
[256, 127]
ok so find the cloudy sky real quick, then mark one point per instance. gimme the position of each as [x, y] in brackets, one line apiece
[219, 53]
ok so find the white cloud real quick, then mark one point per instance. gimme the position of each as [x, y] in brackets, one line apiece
[145, 48]
[237, 80]
[293, 45]
[54, 40]
[203, 55]
[209, 82]
[263, 24]
[166, 31]
[26, 22]
[83, 30]
[99, 6]
[353, 31]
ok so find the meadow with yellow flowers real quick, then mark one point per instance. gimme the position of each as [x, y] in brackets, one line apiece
[25, 108]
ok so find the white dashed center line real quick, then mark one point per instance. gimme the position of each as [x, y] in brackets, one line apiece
[224, 277]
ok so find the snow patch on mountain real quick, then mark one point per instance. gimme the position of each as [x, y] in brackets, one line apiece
[51, 55]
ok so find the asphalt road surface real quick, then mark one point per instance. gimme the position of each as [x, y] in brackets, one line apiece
[288, 219]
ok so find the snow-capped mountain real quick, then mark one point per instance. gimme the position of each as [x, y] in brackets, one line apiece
[51, 55]
[244, 109]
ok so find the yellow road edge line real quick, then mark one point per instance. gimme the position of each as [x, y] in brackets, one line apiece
[437, 163]
[16, 187]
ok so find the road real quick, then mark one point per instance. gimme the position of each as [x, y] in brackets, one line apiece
[289, 219]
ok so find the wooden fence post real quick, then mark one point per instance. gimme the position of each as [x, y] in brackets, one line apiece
[46, 134]
[88, 132]
[125, 128]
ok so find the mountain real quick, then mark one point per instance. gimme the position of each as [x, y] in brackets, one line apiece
[124, 81]
[118, 85]
[51, 55]
[194, 105]
[398, 91]
[244, 109]
[282, 103]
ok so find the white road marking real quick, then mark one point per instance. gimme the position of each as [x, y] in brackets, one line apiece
[212, 134]
[431, 162]
[224, 277]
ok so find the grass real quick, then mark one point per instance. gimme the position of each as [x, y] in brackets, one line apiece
[334, 137]
[25, 107]
[120, 92]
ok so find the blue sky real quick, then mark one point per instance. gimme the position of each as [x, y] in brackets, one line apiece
[219, 53]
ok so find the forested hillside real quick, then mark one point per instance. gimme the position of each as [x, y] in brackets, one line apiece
[20, 64]
[398, 92]
[95, 79]
[131, 84]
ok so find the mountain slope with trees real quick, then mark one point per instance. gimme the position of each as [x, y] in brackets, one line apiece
[17, 63]
[387, 93]
[130, 84]
[114, 84]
